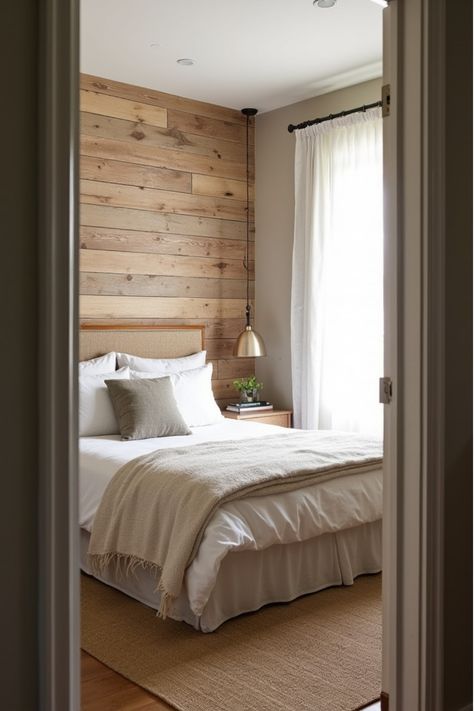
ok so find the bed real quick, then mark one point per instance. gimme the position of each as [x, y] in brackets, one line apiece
[254, 551]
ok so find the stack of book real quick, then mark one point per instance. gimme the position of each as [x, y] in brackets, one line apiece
[250, 406]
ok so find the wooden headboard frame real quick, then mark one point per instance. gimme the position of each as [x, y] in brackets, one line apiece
[169, 341]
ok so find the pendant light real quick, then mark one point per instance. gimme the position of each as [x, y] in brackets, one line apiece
[249, 344]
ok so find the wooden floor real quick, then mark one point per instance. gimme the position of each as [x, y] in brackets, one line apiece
[104, 690]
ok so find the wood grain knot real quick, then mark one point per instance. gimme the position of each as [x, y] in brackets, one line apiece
[180, 137]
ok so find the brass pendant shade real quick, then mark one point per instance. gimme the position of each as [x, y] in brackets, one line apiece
[249, 344]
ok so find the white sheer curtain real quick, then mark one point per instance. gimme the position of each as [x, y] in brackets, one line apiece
[337, 284]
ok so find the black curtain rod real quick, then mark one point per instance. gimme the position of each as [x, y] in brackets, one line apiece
[365, 107]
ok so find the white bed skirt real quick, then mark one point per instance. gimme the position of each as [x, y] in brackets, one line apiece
[247, 580]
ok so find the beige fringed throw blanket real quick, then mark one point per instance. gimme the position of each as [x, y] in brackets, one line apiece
[155, 509]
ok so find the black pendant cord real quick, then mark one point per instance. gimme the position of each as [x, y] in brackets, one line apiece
[247, 310]
[248, 113]
[357, 110]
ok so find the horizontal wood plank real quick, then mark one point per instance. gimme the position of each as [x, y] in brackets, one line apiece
[97, 260]
[236, 368]
[97, 103]
[138, 153]
[215, 328]
[159, 98]
[122, 130]
[160, 243]
[214, 368]
[224, 389]
[148, 221]
[154, 285]
[118, 307]
[219, 187]
[114, 171]
[218, 348]
[202, 125]
[99, 193]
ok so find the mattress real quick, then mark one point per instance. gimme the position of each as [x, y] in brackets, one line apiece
[249, 526]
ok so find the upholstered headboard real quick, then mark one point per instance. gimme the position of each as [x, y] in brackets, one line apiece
[143, 341]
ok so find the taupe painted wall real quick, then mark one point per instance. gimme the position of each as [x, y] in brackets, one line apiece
[274, 208]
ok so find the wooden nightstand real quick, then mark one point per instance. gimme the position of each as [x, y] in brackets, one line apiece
[282, 418]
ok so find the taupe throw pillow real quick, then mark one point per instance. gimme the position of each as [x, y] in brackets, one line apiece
[146, 408]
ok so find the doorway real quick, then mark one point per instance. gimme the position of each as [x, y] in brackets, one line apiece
[393, 660]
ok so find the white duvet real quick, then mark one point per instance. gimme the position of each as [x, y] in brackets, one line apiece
[251, 524]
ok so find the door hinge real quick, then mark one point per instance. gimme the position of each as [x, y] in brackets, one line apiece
[385, 100]
[385, 390]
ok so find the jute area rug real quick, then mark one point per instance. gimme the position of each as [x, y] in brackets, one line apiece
[321, 652]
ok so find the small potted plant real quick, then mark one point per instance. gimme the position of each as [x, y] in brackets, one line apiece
[248, 388]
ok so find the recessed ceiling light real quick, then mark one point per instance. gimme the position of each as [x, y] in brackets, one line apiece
[155, 45]
[382, 3]
[324, 3]
[185, 62]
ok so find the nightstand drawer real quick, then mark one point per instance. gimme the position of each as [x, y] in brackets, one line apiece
[281, 418]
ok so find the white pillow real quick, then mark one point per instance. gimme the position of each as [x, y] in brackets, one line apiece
[96, 412]
[95, 366]
[162, 366]
[194, 397]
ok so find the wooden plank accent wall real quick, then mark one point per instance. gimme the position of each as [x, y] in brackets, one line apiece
[163, 216]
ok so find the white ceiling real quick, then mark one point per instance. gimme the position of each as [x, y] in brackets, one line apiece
[262, 53]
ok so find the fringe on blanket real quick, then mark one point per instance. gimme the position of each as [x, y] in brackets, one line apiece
[124, 566]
